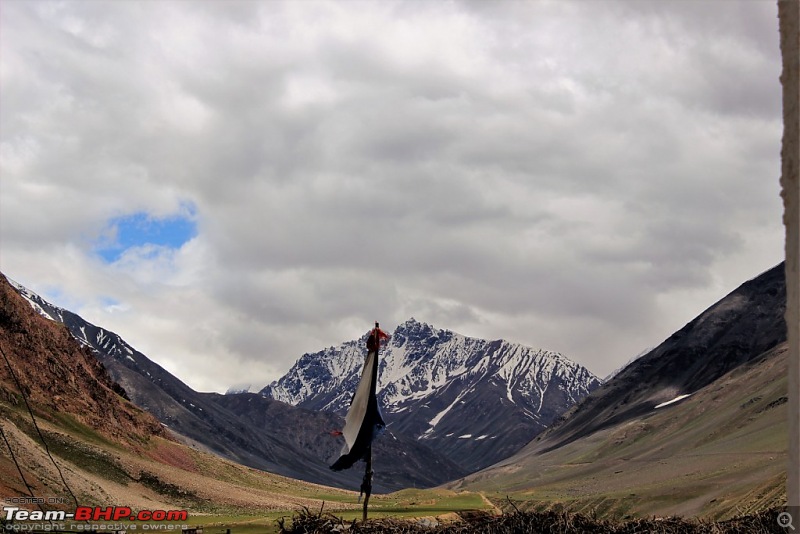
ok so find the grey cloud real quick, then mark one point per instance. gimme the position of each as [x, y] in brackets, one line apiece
[516, 169]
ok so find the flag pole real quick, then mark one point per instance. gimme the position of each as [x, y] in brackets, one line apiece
[367, 482]
[366, 485]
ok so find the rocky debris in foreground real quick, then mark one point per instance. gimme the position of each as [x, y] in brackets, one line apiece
[307, 522]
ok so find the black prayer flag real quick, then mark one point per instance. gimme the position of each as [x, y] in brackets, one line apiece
[364, 420]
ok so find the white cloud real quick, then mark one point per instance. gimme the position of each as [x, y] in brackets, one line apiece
[584, 177]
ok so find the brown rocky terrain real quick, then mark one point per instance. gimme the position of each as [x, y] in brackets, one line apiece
[59, 376]
[246, 428]
[87, 444]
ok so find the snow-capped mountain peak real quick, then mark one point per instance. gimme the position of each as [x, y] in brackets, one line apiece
[430, 379]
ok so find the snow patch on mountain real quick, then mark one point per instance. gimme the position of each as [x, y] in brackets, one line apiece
[433, 383]
[419, 361]
[36, 302]
[673, 401]
[433, 422]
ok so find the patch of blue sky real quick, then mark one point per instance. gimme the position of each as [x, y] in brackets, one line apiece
[56, 296]
[109, 302]
[142, 230]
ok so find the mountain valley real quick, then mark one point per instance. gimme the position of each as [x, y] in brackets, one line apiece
[697, 426]
[430, 378]
[83, 442]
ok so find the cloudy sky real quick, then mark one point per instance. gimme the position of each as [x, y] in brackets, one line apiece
[229, 185]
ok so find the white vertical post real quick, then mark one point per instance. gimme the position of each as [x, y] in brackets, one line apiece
[789, 17]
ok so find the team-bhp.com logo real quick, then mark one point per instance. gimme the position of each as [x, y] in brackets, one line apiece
[96, 513]
[92, 518]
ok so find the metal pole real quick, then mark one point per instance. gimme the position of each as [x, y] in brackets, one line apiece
[366, 485]
[367, 481]
[789, 22]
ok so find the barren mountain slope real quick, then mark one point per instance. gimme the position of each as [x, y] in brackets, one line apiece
[737, 329]
[105, 450]
[696, 426]
[262, 433]
[58, 374]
